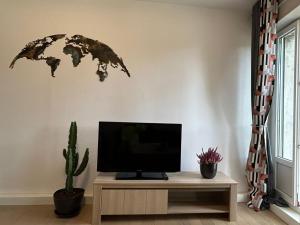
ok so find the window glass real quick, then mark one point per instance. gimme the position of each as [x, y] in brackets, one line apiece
[286, 85]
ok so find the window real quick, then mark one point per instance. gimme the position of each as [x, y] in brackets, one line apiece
[286, 158]
[285, 95]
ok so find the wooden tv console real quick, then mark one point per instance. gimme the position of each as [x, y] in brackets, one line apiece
[184, 192]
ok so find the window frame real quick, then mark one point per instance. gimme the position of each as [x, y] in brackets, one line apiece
[294, 163]
[280, 99]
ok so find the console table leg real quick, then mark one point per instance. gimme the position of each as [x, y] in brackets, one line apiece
[96, 218]
[233, 202]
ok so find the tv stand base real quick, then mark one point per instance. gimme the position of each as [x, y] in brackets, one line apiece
[183, 193]
[139, 175]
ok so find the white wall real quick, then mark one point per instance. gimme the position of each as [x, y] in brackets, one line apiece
[189, 65]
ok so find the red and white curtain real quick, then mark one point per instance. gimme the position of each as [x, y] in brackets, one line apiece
[263, 80]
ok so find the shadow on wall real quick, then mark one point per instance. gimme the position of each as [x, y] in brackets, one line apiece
[229, 93]
[88, 135]
[55, 139]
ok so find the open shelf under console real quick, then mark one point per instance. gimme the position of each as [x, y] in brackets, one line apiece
[198, 201]
[183, 193]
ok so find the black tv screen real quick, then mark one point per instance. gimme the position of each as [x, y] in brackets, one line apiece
[131, 147]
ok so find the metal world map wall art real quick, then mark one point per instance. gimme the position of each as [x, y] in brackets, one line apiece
[77, 47]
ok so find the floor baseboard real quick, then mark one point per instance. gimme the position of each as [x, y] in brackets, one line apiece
[33, 199]
[242, 197]
[47, 199]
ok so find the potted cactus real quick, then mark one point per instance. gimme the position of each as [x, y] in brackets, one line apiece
[68, 200]
[209, 162]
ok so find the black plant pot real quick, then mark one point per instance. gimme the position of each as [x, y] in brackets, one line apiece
[208, 170]
[68, 204]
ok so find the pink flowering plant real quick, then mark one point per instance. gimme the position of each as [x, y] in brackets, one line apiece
[211, 156]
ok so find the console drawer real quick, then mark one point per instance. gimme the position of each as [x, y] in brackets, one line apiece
[133, 202]
[112, 202]
[123, 202]
[157, 202]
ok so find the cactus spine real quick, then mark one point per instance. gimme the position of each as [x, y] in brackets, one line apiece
[71, 157]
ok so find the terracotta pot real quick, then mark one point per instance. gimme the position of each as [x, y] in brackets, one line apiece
[208, 170]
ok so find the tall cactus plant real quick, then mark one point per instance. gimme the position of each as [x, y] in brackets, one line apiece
[71, 156]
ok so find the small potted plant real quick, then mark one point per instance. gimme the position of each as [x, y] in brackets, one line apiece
[209, 162]
[68, 200]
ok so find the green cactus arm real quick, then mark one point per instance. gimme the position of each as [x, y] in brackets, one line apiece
[67, 162]
[72, 136]
[76, 157]
[73, 152]
[83, 163]
[70, 163]
[65, 154]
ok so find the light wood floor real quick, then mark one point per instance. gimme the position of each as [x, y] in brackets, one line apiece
[44, 215]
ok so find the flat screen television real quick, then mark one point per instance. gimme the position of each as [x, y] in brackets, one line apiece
[139, 150]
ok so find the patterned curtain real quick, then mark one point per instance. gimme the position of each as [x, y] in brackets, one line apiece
[265, 14]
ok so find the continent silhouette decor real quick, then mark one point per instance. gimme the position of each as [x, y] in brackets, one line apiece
[78, 47]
